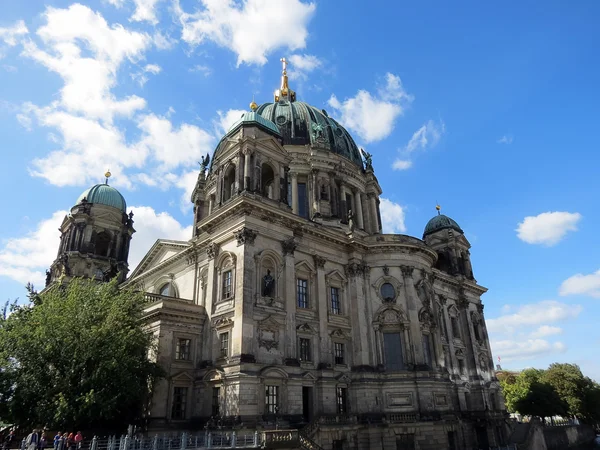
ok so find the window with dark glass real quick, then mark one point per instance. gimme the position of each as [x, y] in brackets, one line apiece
[302, 200]
[335, 301]
[302, 293]
[167, 290]
[338, 350]
[342, 400]
[492, 401]
[427, 349]
[224, 344]
[305, 349]
[216, 395]
[227, 284]
[179, 403]
[405, 441]
[388, 292]
[455, 327]
[476, 331]
[461, 366]
[183, 349]
[271, 399]
[392, 348]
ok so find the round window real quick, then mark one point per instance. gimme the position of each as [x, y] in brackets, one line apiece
[281, 120]
[388, 292]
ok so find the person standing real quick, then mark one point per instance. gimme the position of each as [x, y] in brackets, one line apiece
[78, 440]
[32, 440]
[8, 440]
[56, 440]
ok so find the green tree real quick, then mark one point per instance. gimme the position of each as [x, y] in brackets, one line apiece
[570, 384]
[515, 387]
[542, 401]
[77, 355]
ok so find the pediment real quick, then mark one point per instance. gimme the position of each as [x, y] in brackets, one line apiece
[305, 328]
[344, 378]
[339, 333]
[308, 376]
[337, 276]
[162, 251]
[304, 266]
[182, 376]
[269, 323]
[223, 322]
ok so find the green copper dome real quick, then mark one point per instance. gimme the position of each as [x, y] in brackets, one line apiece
[252, 118]
[440, 222]
[104, 194]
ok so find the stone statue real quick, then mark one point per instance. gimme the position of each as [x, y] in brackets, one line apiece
[204, 163]
[368, 159]
[268, 285]
[424, 292]
[350, 220]
[48, 277]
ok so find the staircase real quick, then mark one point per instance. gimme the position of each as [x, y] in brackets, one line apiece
[306, 434]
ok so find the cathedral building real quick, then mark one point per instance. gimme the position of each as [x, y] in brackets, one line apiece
[290, 306]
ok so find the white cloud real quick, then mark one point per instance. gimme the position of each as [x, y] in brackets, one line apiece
[545, 330]
[426, 137]
[302, 65]
[228, 118]
[11, 35]
[506, 139]
[163, 41]
[152, 68]
[528, 315]
[203, 69]
[252, 29]
[511, 350]
[580, 284]
[145, 11]
[141, 76]
[518, 332]
[25, 259]
[402, 164]
[547, 228]
[392, 216]
[372, 117]
[153, 225]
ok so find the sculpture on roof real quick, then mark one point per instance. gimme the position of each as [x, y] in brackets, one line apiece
[368, 159]
[204, 163]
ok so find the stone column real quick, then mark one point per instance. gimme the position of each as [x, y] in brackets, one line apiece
[219, 194]
[358, 207]
[365, 213]
[466, 327]
[413, 313]
[247, 169]
[212, 252]
[323, 312]
[343, 208]
[358, 313]
[294, 177]
[289, 347]
[314, 195]
[373, 213]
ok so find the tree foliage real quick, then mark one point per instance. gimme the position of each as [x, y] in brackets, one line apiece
[77, 356]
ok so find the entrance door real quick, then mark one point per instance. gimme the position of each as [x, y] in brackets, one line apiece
[482, 438]
[307, 403]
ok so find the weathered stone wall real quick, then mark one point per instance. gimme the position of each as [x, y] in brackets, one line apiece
[558, 438]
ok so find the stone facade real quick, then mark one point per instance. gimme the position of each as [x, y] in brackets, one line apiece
[289, 304]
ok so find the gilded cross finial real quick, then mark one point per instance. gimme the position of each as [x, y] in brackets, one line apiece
[284, 64]
[107, 174]
[438, 208]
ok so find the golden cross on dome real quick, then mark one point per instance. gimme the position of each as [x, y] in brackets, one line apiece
[107, 175]
[284, 64]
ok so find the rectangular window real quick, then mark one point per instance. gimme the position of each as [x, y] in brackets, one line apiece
[455, 327]
[216, 398]
[302, 201]
[427, 350]
[183, 349]
[224, 344]
[179, 403]
[392, 352]
[461, 366]
[302, 293]
[305, 350]
[271, 399]
[338, 350]
[341, 396]
[227, 284]
[451, 441]
[335, 301]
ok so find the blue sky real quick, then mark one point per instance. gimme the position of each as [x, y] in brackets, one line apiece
[489, 109]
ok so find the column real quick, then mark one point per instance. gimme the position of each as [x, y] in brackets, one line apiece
[289, 347]
[465, 323]
[343, 209]
[314, 195]
[452, 360]
[359, 211]
[247, 169]
[413, 313]
[211, 289]
[324, 341]
[373, 213]
[294, 177]
[365, 211]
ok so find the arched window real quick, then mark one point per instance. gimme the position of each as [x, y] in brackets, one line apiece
[168, 290]
[442, 263]
[229, 183]
[267, 179]
[102, 243]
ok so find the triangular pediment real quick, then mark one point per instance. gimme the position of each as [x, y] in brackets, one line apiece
[305, 266]
[337, 276]
[182, 376]
[269, 323]
[162, 251]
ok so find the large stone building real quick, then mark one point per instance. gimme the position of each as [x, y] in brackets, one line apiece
[288, 303]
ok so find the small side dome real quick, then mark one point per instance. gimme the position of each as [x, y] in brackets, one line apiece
[441, 222]
[104, 194]
[254, 119]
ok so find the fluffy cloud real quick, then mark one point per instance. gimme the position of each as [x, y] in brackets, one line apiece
[156, 225]
[9, 36]
[26, 258]
[234, 25]
[547, 228]
[145, 11]
[519, 332]
[426, 137]
[141, 77]
[302, 65]
[228, 118]
[581, 284]
[505, 140]
[372, 116]
[402, 164]
[392, 216]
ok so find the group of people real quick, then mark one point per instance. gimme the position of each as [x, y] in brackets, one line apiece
[36, 440]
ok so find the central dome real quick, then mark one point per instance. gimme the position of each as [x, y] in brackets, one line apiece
[103, 194]
[303, 124]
